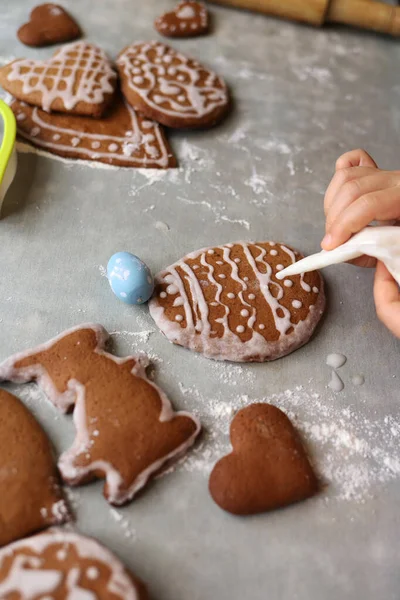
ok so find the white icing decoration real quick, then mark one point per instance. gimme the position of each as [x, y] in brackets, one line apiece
[315, 290]
[288, 283]
[227, 345]
[35, 131]
[296, 304]
[201, 98]
[29, 579]
[178, 318]
[273, 252]
[21, 116]
[96, 80]
[240, 329]
[186, 12]
[138, 79]
[131, 147]
[55, 11]
[279, 267]
[75, 141]
[163, 295]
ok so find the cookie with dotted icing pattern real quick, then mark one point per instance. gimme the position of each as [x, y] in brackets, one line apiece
[65, 565]
[78, 79]
[126, 428]
[48, 24]
[188, 19]
[30, 497]
[227, 303]
[268, 467]
[123, 137]
[170, 88]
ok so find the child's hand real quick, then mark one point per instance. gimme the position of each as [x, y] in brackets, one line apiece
[358, 194]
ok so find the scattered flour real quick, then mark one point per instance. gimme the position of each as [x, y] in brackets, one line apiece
[124, 523]
[258, 183]
[353, 454]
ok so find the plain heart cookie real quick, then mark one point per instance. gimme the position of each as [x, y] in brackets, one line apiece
[268, 467]
[65, 565]
[78, 79]
[126, 428]
[170, 88]
[188, 19]
[227, 303]
[30, 497]
[123, 137]
[48, 24]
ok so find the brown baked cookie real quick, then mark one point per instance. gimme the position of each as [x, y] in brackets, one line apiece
[188, 19]
[268, 467]
[30, 497]
[122, 137]
[62, 565]
[170, 88]
[227, 303]
[126, 428]
[78, 79]
[48, 24]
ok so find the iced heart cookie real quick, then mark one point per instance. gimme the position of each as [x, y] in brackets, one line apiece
[188, 19]
[48, 24]
[126, 428]
[122, 137]
[64, 565]
[30, 497]
[268, 467]
[170, 88]
[78, 79]
[227, 303]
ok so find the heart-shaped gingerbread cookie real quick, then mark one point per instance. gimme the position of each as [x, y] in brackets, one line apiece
[188, 19]
[268, 467]
[48, 24]
[171, 88]
[78, 79]
[30, 497]
[122, 137]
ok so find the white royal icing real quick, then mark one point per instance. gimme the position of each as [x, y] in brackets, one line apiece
[78, 72]
[29, 577]
[190, 96]
[192, 325]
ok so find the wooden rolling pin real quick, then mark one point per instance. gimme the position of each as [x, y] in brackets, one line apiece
[366, 14]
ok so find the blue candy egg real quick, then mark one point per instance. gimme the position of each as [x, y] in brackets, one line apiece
[130, 278]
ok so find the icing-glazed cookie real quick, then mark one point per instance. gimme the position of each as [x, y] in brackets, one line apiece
[64, 565]
[227, 303]
[126, 428]
[188, 19]
[48, 24]
[268, 467]
[78, 79]
[122, 137]
[30, 497]
[170, 88]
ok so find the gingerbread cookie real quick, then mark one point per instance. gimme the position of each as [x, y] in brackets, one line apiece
[48, 24]
[122, 137]
[268, 467]
[188, 19]
[30, 497]
[170, 88]
[227, 303]
[78, 79]
[65, 565]
[126, 428]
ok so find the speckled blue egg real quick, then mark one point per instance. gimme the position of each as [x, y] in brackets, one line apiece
[130, 278]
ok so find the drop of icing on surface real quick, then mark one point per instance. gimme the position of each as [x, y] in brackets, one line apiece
[336, 360]
[358, 380]
[336, 384]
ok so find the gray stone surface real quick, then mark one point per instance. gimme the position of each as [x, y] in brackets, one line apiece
[302, 97]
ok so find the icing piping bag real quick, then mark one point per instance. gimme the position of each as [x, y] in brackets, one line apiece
[380, 242]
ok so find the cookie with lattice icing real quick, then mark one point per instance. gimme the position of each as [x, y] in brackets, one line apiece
[126, 428]
[63, 564]
[48, 24]
[122, 137]
[227, 303]
[30, 497]
[268, 467]
[188, 19]
[78, 79]
[170, 88]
